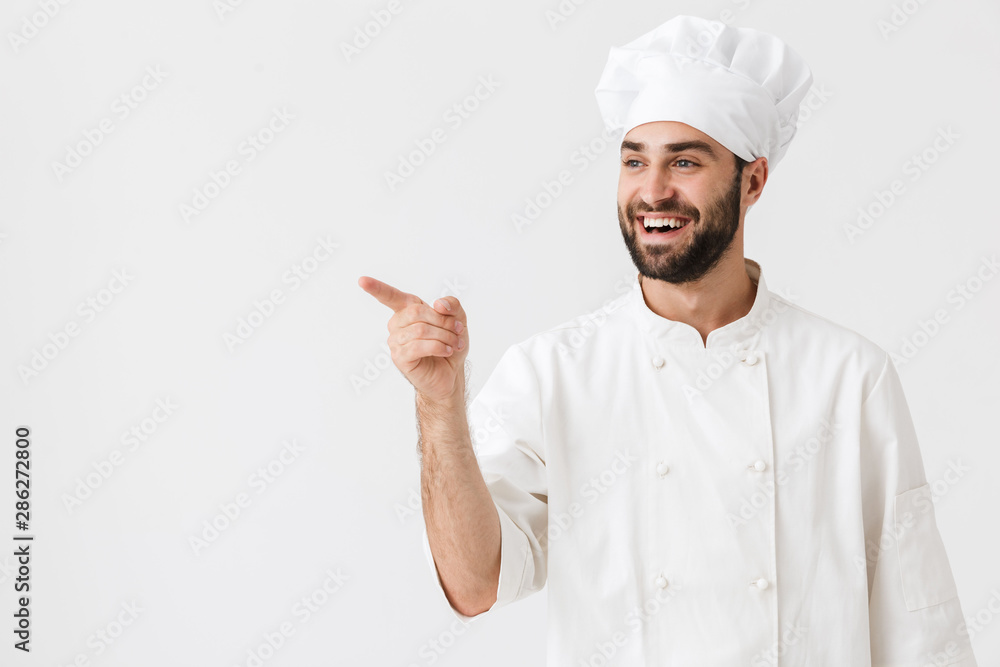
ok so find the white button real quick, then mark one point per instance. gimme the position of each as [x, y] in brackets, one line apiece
[662, 469]
[751, 358]
[760, 466]
[761, 583]
[658, 361]
[661, 581]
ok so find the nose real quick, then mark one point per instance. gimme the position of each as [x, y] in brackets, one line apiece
[657, 185]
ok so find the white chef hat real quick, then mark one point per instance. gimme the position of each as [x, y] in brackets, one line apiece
[742, 87]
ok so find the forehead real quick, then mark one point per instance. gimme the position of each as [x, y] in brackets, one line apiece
[657, 134]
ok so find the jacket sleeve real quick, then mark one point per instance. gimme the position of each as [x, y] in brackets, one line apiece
[914, 613]
[505, 423]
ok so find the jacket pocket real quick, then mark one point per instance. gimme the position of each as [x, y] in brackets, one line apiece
[923, 563]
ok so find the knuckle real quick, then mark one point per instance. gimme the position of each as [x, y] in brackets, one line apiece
[421, 330]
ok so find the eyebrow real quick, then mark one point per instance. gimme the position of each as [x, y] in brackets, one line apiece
[680, 147]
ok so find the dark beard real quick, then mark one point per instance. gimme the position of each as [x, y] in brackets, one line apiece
[713, 234]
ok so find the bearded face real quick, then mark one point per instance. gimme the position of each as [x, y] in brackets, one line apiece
[676, 241]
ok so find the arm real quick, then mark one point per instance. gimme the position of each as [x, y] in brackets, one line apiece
[463, 527]
[429, 345]
[507, 441]
[484, 516]
[914, 611]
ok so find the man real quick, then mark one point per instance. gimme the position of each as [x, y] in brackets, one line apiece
[704, 473]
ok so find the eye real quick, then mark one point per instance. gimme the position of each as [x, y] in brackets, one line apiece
[689, 163]
[629, 163]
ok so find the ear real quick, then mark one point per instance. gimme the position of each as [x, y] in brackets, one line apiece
[754, 178]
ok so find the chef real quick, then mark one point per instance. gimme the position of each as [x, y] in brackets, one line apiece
[703, 473]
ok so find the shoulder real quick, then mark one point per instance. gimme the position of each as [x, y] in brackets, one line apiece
[811, 336]
[807, 323]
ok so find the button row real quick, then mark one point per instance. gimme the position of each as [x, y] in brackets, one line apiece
[749, 357]
[760, 584]
[662, 468]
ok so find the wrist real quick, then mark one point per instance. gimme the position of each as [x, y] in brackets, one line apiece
[452, 401]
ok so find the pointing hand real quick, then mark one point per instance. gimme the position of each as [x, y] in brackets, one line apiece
[428, 344]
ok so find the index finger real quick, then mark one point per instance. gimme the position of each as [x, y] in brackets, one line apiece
[387, 294]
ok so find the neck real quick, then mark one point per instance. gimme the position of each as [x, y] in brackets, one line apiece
[723, 295]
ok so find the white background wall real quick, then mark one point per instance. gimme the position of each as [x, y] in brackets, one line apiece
[340, 504]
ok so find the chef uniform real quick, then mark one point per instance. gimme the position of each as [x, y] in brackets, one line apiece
[755, 499]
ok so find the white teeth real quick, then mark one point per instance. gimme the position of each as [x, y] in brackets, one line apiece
[660, 222]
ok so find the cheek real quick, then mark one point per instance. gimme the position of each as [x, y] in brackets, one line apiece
[628, 187]
[698, 197]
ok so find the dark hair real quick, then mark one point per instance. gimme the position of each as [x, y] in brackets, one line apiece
[740, 163]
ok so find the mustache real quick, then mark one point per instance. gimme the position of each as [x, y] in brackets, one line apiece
[675, 210]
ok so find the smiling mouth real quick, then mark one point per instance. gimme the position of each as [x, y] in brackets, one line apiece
[663, 224]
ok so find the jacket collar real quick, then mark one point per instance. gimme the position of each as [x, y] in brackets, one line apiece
[743, 333]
